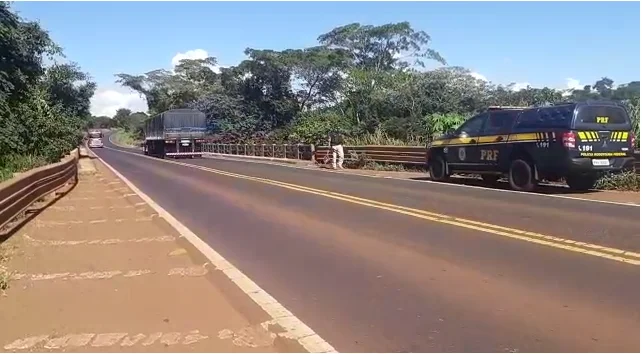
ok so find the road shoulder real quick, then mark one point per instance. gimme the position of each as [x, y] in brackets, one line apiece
[100, 270]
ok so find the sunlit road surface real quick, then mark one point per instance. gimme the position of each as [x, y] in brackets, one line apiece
[379, 265]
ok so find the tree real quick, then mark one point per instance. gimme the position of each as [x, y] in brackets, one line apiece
[42, 108]
[384, 47]
[321, 71]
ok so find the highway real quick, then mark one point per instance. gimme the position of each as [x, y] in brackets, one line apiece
[382, 265]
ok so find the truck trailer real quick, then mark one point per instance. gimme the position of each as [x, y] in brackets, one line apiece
[175, 133]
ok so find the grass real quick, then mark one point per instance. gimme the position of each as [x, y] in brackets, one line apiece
[627, 180]
[379, 137]
[10, 164]
[125, 138]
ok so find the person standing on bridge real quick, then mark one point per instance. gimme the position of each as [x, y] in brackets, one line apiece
[336, 144]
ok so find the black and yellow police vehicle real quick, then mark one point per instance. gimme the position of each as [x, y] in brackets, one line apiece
[576, 141]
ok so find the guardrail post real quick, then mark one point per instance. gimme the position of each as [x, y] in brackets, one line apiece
[244, 149]
[262, 150]
[285, 151]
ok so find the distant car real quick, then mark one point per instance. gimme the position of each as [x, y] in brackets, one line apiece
[95, 143]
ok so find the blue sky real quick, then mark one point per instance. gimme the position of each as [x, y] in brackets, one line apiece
[542, 43]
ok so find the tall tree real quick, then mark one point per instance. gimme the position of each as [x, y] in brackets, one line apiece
[385, 47]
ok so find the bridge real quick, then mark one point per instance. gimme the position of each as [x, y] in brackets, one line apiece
[226, 254]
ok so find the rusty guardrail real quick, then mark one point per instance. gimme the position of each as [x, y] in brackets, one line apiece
[415, 155]
[279, 151]
[21, 191]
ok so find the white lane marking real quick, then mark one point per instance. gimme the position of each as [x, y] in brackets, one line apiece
[252, 336]
[112, 241]
[49, 223]
[197, 271]
[77, 340]
[79, 276]
[417, 181]
[294, 328]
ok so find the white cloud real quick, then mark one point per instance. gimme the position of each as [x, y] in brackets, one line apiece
[478, 76]
[194, 54]
[517, 86]
[574, 84]
[190, 54]
[106, 101]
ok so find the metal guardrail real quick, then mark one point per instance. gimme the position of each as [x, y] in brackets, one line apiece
[414, 155]
[407, 155]
[279, 151]
[20, 192]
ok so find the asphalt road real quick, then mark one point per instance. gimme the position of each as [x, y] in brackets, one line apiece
[420, 272]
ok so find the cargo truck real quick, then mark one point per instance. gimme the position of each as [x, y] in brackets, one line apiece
[175, 133]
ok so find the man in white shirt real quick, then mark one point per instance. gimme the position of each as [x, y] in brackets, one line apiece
[336, 144]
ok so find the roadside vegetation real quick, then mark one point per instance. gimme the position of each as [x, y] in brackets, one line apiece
[43, 108]
[123, 137]
[370, 82]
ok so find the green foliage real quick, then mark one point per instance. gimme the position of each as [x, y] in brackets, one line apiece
[13, 163]
[125, 138]
[101, 122]
[437, 123]
[313, 127]
[43, 110]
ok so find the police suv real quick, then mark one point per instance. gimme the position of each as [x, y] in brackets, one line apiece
[574, 141]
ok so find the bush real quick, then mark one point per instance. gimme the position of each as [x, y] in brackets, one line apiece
[313, 127]
[627, 180]
[125, 138]
[10, 164]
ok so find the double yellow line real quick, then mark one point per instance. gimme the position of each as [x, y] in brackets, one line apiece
[541, 239]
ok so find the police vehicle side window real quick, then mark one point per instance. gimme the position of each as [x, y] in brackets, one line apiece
[549, 117]
[473, 126]
[500, 122]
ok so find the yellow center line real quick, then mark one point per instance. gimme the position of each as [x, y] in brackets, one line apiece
[541, 239]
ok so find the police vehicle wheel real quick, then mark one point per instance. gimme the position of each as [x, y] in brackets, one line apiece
[438, 168]
[520, 176]
[581, 182]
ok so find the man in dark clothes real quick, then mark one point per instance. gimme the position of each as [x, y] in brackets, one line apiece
[336, 144]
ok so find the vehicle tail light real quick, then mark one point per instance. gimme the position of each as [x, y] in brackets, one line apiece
[568, 140]
[632, 140]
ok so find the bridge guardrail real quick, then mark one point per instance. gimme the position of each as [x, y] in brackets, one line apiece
[407, 155]
[24, 189]
[279, 151]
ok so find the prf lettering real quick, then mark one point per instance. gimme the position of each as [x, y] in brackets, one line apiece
[489, 155]
[602, 120]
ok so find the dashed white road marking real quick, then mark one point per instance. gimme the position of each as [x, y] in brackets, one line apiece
[294, 328]
[112, 241]
[196, 271]
[252, 336]
[189, 271]
[48, 223]
[79, 340]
